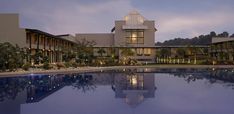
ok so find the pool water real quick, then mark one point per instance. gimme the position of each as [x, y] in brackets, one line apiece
[125, 91]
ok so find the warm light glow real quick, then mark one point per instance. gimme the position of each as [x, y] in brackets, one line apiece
[213, 62]
[213, 69]
[134, 81]
[134, 35]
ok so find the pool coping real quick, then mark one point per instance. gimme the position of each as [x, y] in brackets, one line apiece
[97, 69]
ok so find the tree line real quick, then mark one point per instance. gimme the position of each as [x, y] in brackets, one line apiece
[200, 40]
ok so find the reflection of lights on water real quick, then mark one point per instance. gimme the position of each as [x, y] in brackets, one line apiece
[146, 69]
[134, 81]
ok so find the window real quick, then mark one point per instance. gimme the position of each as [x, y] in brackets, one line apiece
[139, 51]
[135, 36]
[147, 51]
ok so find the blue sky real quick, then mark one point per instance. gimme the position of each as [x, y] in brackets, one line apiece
[173, 18]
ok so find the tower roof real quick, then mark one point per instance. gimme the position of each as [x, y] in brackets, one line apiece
[134, 18]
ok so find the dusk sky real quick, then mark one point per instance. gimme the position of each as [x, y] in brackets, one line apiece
[173, 18]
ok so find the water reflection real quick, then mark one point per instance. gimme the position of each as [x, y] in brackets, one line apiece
[134, 86]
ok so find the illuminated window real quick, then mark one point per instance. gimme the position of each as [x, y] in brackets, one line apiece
[139, 51]
[135, 36]
[147, 51]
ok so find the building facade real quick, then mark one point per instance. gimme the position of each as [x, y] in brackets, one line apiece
[181, 54]
[222, 50]
[37, 44]
[134, 32]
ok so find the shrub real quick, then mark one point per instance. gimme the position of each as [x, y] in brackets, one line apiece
[26, 66]
[67, 64]
[60, 65]
[46, 66]
[74, 64]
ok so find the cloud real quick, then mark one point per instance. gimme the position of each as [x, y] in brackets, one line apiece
[77, 17]
[174, 25]
[177, 18]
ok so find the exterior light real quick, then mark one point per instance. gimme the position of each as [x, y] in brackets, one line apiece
[213, 62]
[134, 35]
[134, 38]
[213, 69]
[134, 81]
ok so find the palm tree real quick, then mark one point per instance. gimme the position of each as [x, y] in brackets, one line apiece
[164, 53]
[127, 53]
[194, 52]
[84, 50]
[181, 54]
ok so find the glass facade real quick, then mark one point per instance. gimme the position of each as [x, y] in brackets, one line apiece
[135, 36]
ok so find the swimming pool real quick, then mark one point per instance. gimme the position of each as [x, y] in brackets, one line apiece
[125, 91]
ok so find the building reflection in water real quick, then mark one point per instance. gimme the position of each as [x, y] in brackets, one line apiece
[134, 88]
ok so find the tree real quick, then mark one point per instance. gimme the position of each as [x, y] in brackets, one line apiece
[181, 52]
[224, 34]
[126, 54]
[38, 56]
[84, 51]
[68, 54]
[12, 57]
[165, 52]
[101, 51]
[212, 34]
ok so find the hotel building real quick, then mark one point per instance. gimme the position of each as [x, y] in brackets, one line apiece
[134, 32]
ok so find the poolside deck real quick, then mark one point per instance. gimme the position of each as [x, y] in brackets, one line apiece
[96, 69]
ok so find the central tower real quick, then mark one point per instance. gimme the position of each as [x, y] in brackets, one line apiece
[134, 31]
[137, 33]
